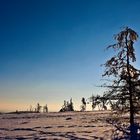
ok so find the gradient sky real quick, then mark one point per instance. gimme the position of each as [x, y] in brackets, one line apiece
[51, 50]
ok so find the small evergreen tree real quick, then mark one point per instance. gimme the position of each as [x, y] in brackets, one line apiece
[31, 108]
[45, 108]
[92, 99]
[38, 108]
[70, 106]
[67, 106]
[83, 106]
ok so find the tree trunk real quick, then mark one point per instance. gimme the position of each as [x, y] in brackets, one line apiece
[132, 131]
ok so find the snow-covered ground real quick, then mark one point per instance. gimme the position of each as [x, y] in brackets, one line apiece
[63, 126]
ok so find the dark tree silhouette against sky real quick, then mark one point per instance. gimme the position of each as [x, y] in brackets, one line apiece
[125, 88]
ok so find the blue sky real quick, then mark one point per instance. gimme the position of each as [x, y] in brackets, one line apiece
[51, 50]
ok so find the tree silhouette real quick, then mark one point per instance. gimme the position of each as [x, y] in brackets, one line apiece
[70, 106]
[124, 92]
[99, 101]
[67, 106]
[45, 108]
[31, 108]
[83, 106]
[92, 99]
[38, 108]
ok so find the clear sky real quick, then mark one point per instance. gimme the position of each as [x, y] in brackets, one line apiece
[51, 50]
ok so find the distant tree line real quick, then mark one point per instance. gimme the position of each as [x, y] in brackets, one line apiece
[96, 101]
[38, 108]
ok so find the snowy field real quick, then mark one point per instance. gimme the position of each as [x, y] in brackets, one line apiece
[56, 126]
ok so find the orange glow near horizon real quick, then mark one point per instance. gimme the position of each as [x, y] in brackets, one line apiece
[10, 106]
[22, 106]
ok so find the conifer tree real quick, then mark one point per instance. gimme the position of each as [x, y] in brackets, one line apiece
[45, 108]
[83, 106]
[38, 108]
[124, 92]
[67, 106]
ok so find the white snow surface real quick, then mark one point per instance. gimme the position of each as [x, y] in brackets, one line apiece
[56, 126]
